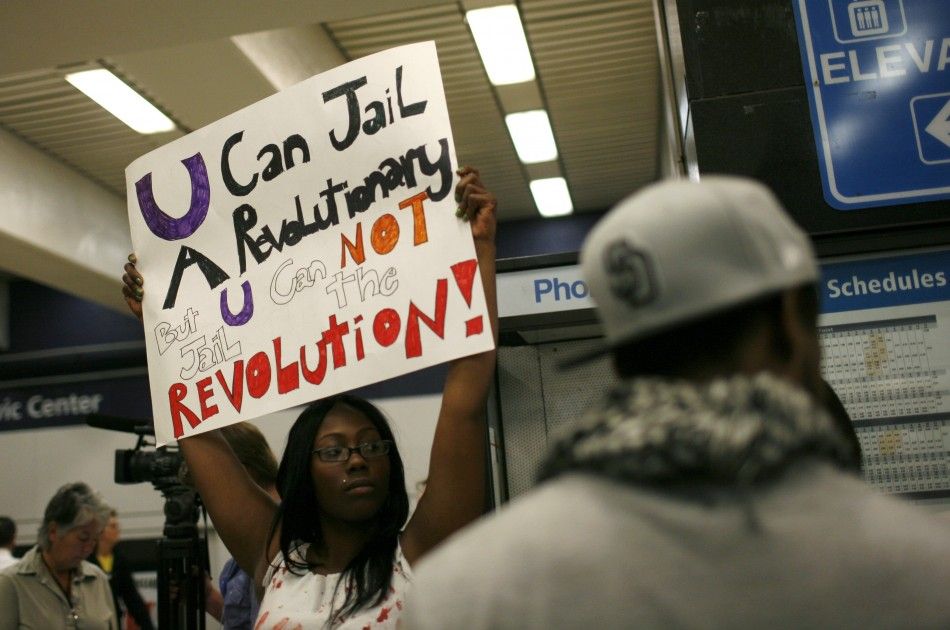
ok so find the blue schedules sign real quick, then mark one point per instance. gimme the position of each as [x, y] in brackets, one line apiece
[880, 282]
[878, 76]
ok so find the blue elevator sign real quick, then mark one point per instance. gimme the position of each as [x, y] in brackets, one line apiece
[878, 77]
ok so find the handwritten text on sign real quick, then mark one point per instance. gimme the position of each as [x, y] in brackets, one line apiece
[308, 246]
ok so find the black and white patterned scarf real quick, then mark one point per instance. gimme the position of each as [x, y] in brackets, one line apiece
[729, 431]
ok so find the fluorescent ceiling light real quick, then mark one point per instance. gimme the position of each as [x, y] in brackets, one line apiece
[121, 101]
[501, 44]
[532, 135]
[551, 197]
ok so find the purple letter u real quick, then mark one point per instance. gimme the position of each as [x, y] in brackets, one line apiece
[170, 228]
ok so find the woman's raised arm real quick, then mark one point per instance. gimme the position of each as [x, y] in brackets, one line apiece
[455, 490]
[241, 511]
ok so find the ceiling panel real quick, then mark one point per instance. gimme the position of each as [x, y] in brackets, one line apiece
[597, 72]
[478, 126]
[49, 113]
[598, 67]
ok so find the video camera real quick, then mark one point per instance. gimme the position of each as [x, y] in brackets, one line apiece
[183, 553]
[159, 466]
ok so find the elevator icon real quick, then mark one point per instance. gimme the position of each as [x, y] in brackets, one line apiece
[868, 17]
[862, 20]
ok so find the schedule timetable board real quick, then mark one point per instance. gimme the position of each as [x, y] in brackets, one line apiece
[885, 336]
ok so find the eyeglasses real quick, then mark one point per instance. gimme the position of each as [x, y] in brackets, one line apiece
[368, 450]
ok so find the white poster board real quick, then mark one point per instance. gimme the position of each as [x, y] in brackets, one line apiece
[304, 246]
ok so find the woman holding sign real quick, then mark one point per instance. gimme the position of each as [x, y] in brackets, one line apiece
[337, 550]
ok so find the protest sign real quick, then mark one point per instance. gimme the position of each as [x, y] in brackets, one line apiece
[304, 246]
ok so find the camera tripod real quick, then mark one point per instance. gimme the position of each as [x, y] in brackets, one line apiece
[182, 553]
[182, 563]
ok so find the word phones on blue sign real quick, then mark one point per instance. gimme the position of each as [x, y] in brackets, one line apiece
[878, 77]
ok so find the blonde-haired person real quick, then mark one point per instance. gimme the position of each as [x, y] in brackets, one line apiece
[53, 587]
[116, 566]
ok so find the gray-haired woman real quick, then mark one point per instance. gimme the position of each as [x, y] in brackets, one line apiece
[53, 586]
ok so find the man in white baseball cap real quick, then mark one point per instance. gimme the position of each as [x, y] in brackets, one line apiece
[709, 489]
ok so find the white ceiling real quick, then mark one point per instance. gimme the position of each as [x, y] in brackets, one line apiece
[596, 61]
